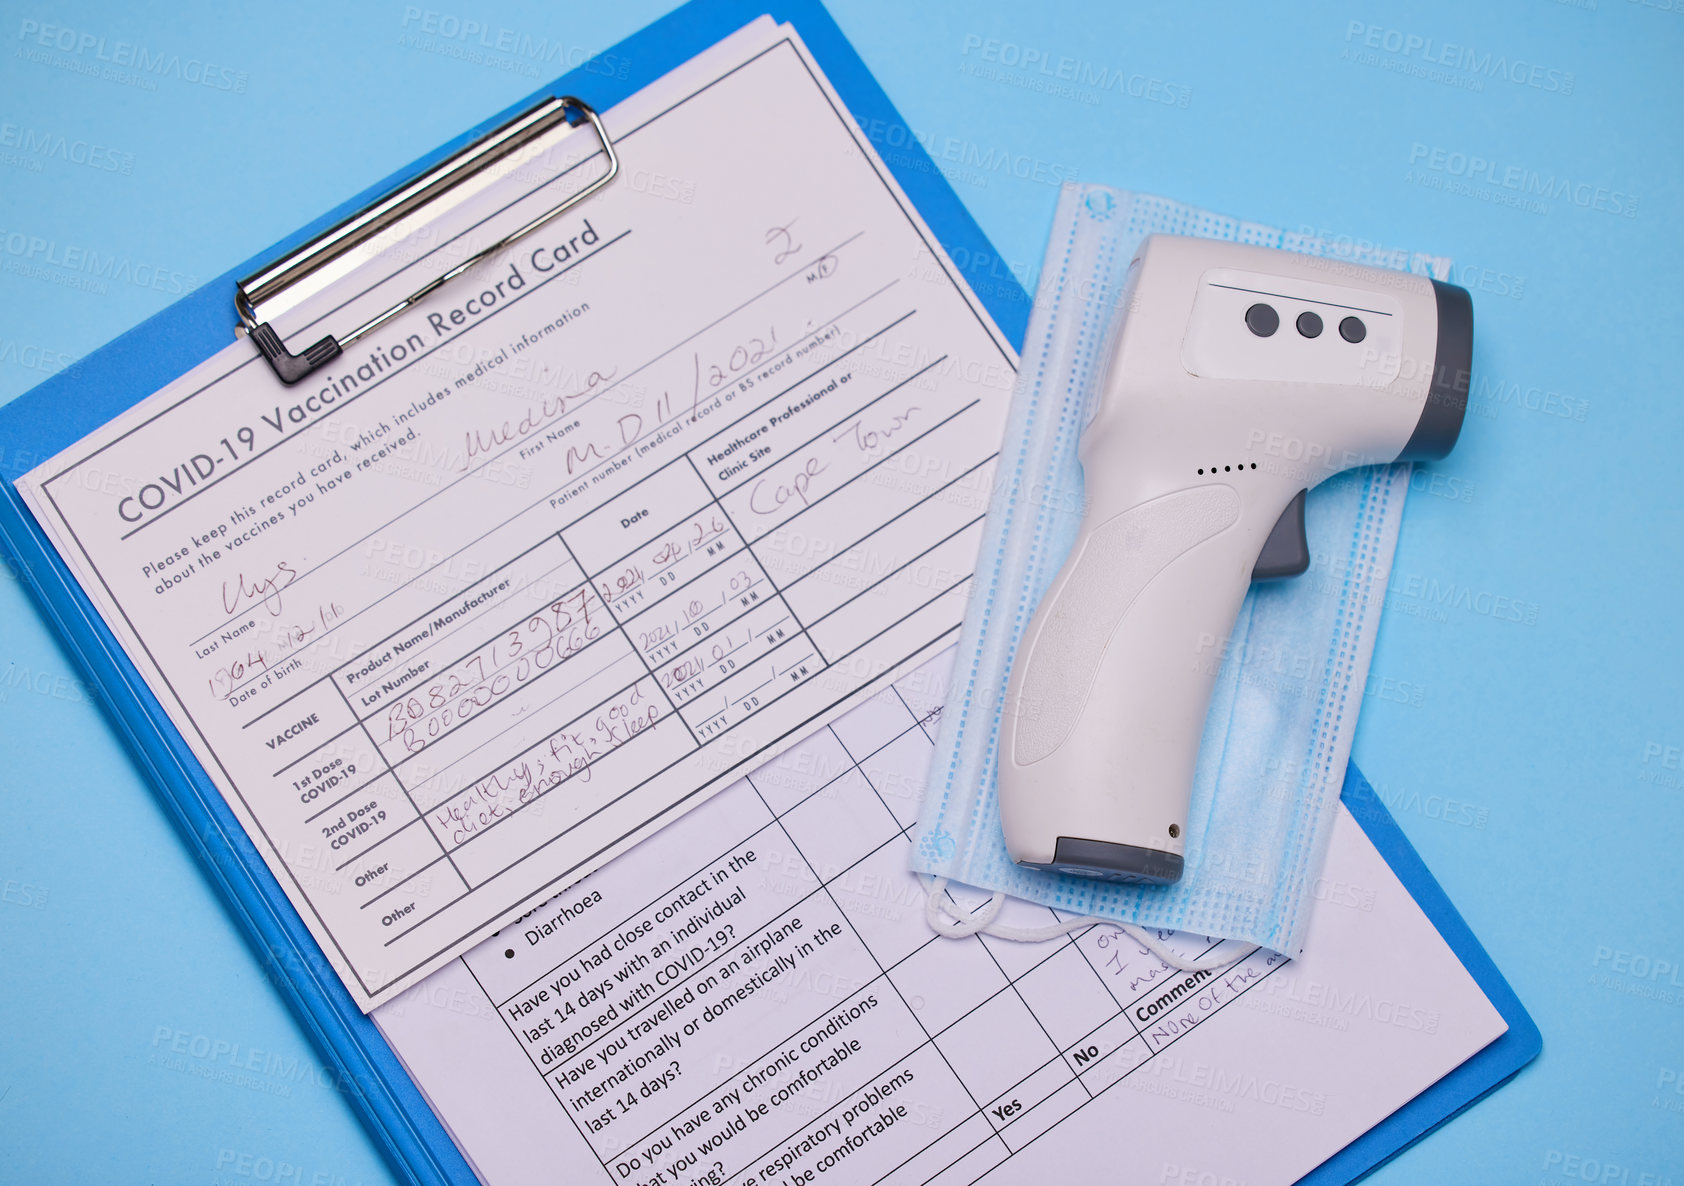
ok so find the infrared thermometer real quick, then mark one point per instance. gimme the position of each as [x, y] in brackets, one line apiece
[1241, 376]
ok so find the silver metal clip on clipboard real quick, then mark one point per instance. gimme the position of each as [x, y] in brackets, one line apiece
[359, 228]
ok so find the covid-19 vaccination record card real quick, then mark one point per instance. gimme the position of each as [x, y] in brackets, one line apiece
[600, 526]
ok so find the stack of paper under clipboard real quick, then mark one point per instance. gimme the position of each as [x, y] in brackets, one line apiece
[631, 551]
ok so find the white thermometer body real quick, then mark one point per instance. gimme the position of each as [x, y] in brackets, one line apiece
[1241, 377]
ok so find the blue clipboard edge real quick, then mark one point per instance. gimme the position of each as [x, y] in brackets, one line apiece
[68, 406]
[1478, 1076]
[73, 403]
[367, 1072]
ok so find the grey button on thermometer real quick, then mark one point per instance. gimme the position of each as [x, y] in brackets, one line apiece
[1262, 320]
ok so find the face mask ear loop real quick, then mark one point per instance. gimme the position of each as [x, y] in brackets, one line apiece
[950, 920]
[947, 918]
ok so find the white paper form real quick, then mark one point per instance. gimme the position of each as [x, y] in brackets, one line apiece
[544, 562]
[753, 996]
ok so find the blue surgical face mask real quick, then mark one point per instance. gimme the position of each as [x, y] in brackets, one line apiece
[1290, 678]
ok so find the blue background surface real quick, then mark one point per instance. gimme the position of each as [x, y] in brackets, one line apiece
[1523, 721]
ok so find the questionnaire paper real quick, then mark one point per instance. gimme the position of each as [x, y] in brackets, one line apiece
[754, 996]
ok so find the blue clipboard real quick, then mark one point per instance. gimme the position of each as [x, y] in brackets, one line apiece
[73, 403]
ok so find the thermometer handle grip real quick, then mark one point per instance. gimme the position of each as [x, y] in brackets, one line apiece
[1107, 698]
